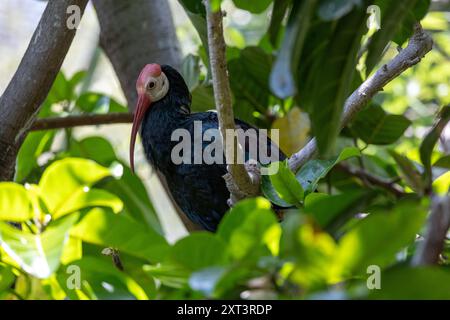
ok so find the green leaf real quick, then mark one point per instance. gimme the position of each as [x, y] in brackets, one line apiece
[336, 9]
[76, 79]
[35, 144]
[135, 198]
[393, 15]
[311, 249]
[285, 185]
[205, 280]
[100, 280]
[416, 14]
[282, 78]
[104, 228]
[7, 277]
[95, 148]
[257, 6]
[38, 255]
[171, 275]
[443, 162]
[73, 250]
[129, 188]
[196, 12]
[190, 70]
[203, 99]
[60, 91]
[64, 178]
[15, 203]
[441, 185]
[427, 146]
[332, 78]
[92, 102]
[278, 12]
[424, 283]
[249, 77]
[239, 213]
[409, 172]
[81, 199]
[377, 238]
[313, 171]
[374, 126]
[250, 229]
[199, 250]
[326, 209]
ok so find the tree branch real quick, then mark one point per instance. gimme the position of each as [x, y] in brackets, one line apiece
[369, 178]
[33, 79]
[438, 225]
[239, 182]
[81, 120]
[134, 33]
[419, 45]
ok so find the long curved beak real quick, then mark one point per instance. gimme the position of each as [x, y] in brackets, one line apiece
[141, 108]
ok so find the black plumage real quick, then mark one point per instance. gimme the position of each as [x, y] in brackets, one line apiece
[198, 189]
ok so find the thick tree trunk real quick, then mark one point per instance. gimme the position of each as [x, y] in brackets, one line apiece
[134, 33]
[33, 79]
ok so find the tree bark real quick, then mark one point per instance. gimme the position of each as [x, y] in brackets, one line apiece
[239, 182]
[419, 45]
[33, 79]
[134, 33]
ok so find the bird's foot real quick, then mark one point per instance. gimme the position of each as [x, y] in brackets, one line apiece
[237, 194]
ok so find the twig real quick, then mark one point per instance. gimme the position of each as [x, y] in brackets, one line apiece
[81, 120]
[238, 176]
[368, 178]
[419, 45]
[33, 79]
[437, 227]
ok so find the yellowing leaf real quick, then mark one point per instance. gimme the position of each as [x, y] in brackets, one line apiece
[293, 129]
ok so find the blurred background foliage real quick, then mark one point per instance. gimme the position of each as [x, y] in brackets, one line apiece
[292, 64]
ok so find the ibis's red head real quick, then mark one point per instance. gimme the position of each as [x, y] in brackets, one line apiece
[152, 85]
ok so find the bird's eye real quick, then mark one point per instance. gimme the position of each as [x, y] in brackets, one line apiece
[151, 84]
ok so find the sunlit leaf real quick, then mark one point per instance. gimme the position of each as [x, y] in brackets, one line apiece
[246, 226]
[104, 228]
[283, 186]
[62, 179]
[293, 129]
[15, 203]
[101, 280]
[37, 254]
[89, 198]
[171, 275]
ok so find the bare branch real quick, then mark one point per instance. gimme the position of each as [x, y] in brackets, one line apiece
[419, 45]
[33, 79]
[245, 186]
[369, 178]
[81, 120]
[437, 227]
